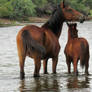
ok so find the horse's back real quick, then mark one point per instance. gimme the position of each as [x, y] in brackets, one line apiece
[84, 42]
[30, 39]
[36, 32]
[84, 46]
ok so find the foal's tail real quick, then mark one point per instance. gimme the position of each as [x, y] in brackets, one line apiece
[84, 54]
[30, 44]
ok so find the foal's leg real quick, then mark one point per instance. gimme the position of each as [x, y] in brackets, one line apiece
[37, 67]
[54, 64]
[45, 61]
[68, 62]
[75, 61]
[87, 66]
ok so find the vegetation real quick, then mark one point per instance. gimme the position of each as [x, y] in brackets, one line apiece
[16, 9]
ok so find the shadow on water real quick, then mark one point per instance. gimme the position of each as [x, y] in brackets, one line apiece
[56, 83]
[76, 82]
[46, 83]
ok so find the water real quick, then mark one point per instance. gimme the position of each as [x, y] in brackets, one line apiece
[62, 81]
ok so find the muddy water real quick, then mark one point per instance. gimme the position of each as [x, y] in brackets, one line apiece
[61, 82]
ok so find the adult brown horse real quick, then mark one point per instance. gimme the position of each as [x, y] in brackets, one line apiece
[42, 42]
[76, 49]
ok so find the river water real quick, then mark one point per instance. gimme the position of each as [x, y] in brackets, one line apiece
[60, 82]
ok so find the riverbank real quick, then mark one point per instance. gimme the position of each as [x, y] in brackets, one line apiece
[8, 22]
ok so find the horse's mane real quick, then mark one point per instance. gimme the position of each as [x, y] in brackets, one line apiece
[54, 23]
[74, 25]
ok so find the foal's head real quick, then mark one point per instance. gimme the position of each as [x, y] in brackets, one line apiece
[73, 30]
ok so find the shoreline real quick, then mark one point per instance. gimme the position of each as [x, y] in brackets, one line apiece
[8, 22]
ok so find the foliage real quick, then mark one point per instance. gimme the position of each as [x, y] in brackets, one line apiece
[21, 8]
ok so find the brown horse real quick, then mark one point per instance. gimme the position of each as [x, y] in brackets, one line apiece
[76, 49]
[42, 42]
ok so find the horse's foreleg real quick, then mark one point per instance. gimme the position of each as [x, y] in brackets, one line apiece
[75, 66]
[37, 67]
[68, 65]
[45, 66]
[54, 64]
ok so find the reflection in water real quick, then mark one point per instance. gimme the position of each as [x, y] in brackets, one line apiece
[45, 83]
[78, 82]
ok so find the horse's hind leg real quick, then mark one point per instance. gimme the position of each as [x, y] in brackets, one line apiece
[21, 63]
[54, 64]
[87, 66]
[45, 66]
[37, 67]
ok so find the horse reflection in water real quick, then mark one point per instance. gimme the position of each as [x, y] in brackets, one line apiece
[42, 42]
[78, 82]
[76, 49]
[40, 85]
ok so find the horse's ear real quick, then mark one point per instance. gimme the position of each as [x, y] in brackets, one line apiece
[63, 3]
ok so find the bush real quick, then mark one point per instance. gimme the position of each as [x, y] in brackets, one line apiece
[6, 10]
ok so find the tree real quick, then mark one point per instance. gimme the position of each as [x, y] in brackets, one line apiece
[23, 8]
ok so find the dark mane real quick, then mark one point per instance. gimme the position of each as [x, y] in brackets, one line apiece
[73, 30]
[56, 20]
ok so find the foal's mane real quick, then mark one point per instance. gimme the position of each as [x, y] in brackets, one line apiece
[74, 25]
[54, 23]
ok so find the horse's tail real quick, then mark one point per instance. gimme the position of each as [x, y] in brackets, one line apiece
[84, 54]
[30, 44]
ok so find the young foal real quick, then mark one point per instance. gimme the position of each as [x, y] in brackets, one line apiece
[76, 49]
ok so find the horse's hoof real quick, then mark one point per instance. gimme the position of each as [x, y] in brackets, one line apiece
[36, 75]
[54, 73]
[76, 74]
[46, 73]
[22, 76]
[69, 72]
[87, 73]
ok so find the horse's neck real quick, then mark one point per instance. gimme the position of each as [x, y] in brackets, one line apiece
[69, 36]
[59, 30]
[56, 28]
[55, 23]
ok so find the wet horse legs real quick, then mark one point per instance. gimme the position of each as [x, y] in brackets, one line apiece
[68, 61]
[87, 66]
[37, 67]
[75, 66]
[69, 66]
[54, 64]
[21, 62]
[45, 66]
